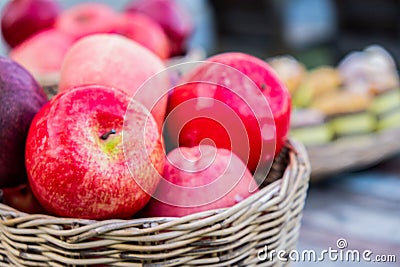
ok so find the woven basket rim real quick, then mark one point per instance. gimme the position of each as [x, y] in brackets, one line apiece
[217, 238]
[298, 156]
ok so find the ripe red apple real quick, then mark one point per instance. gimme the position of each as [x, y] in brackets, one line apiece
[22, 199]
[43, 53]
[23, 18]
[116, 61]
[197, 108]
[173, 18]
[21, 98]
[198, 179]
[145, 31]
[86, 19]
[76, 160]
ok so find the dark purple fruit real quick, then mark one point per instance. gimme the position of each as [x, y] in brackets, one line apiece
[21, 98]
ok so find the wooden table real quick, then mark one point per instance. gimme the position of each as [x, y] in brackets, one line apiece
[361, 207]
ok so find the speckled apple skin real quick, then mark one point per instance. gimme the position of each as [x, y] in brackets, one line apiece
[208, 178]
[74, 173]
[264, 78]
[116, 61]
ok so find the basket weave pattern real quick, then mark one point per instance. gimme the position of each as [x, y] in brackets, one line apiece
[226, 237]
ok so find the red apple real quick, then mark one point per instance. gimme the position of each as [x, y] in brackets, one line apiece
[22, 199]
[145, 31]
[197, 108]
[21, 98]
[116, 61]
[198, 179]
[86, 19]
[43, 53]
[23, 18]
[173, 18]
[76, 161]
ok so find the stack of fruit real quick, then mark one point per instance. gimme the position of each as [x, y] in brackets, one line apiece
[96, 150]
[358, 97]
[39, 33]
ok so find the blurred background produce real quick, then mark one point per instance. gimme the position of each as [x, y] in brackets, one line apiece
[336, 57]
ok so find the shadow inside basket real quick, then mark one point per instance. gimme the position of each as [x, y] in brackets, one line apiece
[234, 236]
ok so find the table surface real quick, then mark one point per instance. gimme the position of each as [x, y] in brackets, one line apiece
[361, 207]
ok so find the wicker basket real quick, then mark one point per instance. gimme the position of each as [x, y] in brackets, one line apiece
[226, 237]
[353, 153]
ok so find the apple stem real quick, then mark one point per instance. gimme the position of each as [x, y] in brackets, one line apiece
[107, 134]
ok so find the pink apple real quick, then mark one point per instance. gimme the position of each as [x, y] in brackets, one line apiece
[198, 179]
[76, 160]
[43, 53]
[23, 18]
[116, 61]
[145, 31]
[173, 18]
[248, 97]
[86, 19]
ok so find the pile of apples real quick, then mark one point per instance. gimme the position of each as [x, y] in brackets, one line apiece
[40, 33]
[97, 150]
